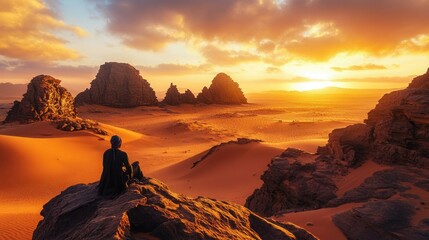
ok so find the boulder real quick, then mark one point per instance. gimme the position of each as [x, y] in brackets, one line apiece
[149, 210]
[45, 99]
[350, 144]
[223, 90]
[382, 220]
[290, 185]
[118, 85]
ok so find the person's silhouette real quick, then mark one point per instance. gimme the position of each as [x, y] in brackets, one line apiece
[116, 170]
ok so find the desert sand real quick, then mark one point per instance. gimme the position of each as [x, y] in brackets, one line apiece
[319, 222]
[38, 161]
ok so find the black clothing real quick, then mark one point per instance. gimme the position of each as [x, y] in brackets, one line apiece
[116, 172]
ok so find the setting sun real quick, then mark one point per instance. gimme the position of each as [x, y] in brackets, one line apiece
[306, 86]
[256, 119]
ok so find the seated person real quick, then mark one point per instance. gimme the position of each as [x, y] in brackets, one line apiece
[117, 170]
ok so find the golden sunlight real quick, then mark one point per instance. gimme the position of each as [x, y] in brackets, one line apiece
[306, 86]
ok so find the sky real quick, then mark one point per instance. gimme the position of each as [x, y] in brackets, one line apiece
[263, 45]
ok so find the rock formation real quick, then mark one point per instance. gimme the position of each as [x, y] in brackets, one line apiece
[188, 97]
[292, 185]
[396, 131]
[223, 90]
[118, 85]
[149, 210]
[45, 99]
[390, 219]
[77, 124]
[396, 134]
[174, 97]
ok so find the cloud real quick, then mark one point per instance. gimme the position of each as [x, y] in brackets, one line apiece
[26, 32]
[369, 66]
[173, 69]
[315, 30]
[273, 70]
[218, 56]
[25, 71]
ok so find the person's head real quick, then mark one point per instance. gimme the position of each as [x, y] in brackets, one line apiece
[116, 141]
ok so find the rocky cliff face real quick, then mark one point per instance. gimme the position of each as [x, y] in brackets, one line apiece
[223, 90]
[118, 85]
[396, 133]
[149, 210]
[174, 97]
[45, 99]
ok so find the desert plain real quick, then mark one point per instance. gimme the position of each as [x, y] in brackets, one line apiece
[39, 161]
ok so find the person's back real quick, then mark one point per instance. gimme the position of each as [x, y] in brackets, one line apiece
[116, 170]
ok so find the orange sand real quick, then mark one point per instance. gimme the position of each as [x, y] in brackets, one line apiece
[231, 173]
[39, 161]
[319, 222]
[357, 176]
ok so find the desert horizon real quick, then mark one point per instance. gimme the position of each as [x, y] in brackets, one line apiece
[259, 119]
[168, 140]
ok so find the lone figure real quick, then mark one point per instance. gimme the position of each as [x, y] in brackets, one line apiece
[116, 170]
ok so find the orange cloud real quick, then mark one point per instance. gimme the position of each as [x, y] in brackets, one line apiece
[22, 71]
[174, 69]
[370, 66]
[273, 70]
[316, 30]
[25, 32]
[215, 55]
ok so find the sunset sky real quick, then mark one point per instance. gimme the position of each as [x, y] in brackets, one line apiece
[264, 45]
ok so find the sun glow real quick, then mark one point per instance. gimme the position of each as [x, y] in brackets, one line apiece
[306, 86]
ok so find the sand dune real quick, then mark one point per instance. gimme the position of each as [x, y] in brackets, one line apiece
[38, 161]
[18, 226]
[230, 173]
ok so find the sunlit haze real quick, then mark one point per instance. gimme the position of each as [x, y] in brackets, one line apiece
[264, 45]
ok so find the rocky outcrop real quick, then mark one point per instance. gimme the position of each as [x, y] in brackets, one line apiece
[77, 124]
[118, 85]
[382, 220]
[223, 90]
[396, 134]
[385, 184]
[45, 99]
[149, 210]
[188, 97]
[396, 131]
[174, 97]
[290, 184]
[350, 144]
